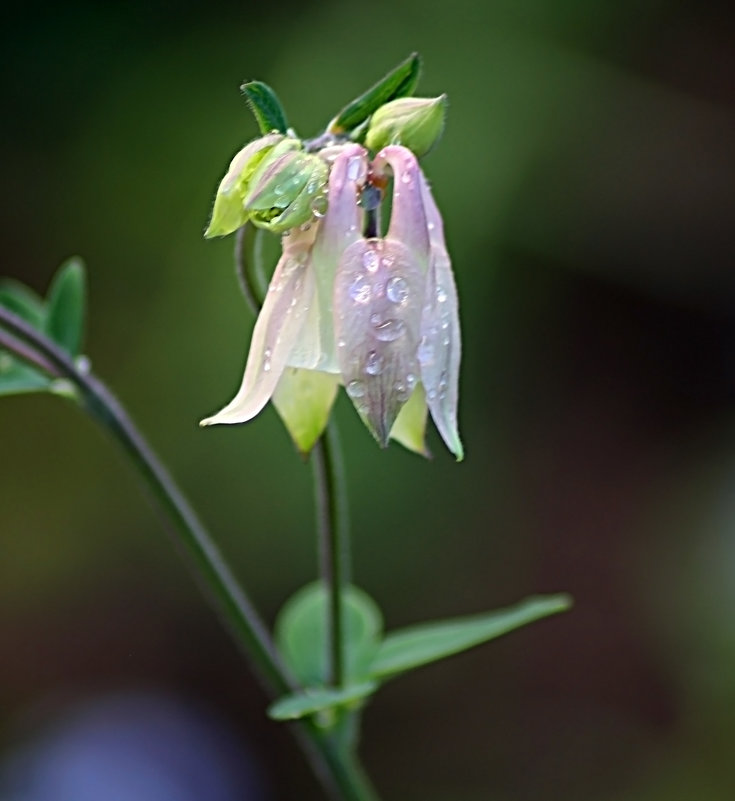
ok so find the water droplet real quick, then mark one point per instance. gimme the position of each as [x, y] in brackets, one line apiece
[353, 168]
[356, 389]
[387, 262]
[360, 289]
[442, 387]
[401, 390]
[374, 363]
[431, 394]
[430, 226]
[311, 187]
[83, 364]
[319, 206]
[441, 295]
[370, 261]
[387, 330]
[267, 360]
[425, 353]
[406, 178]
[396, 290]
[411, 380]
[279, 190]
[341, 343]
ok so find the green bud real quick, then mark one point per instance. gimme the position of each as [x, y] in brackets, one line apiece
[414, 122]
[287, 189]
[229, 213]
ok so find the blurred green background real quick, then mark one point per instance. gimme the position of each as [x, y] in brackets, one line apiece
[586, 178]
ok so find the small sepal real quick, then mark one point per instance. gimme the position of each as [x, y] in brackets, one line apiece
[266, 107]
[414, 122]
[400, 82]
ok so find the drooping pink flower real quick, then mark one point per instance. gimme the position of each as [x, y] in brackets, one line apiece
[377, 314]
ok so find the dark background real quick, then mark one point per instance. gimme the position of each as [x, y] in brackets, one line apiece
[586, 178]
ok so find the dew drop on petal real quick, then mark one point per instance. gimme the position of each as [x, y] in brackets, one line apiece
[401, 390]
[267, 360]
[411, 381]
[370, 261]
[441, 295]
[353, 168]
[356, 389]
[374, 363]
[396, 290]
[387, 330]
[406, 178]
[360, 290]
[430, 226]
[425, 353]
[319, 206]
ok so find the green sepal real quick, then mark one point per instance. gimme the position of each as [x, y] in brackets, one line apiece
[301, 634]
[313, 700]
[410, 426]
[303, 400]
[400, 82]
[413, 647]
[266, 107]
[66, 307]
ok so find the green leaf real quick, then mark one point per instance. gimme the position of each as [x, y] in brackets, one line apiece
[266, 107]
[419, 645]
[17, 378]
[302, 639]
[23, 301]
[319, 699]
[66, 306]
[400, 82]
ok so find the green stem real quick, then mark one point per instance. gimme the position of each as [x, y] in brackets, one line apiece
[340, 773]
[333, 533]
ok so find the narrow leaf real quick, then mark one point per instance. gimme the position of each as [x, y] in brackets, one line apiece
[400, 82]
[23, 301]
[419, 645]
[319, 699]
[301, 634]
[66, 307]
[17, 379]
[266, 107]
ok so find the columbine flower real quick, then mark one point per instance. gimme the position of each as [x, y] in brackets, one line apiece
[377, 314]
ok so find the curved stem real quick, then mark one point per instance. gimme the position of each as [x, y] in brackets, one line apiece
[243, 271]
[333, 532]
[340, 773]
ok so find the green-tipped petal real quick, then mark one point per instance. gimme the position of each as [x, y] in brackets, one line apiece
[414, 122]
[409, 428]
[229, 213]
[304, 399]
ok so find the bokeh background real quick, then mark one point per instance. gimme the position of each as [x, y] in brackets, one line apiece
[586, 177]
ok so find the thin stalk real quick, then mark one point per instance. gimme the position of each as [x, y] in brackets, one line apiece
[340, 773]
[333, 534]
[244, 238]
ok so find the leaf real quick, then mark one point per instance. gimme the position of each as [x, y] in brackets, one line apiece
[400, 82]
[319, 699]
[266, 107]
[23, 301]
[17, 378]
[420, 645]
[301, 633]
[66, 306]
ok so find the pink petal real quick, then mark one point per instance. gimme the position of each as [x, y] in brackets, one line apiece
[408, 218]
[378, 298]
[340, 228]
[276, 331]
[439, 351]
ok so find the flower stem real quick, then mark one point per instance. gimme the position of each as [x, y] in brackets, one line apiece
[334, 551]
[339, 772]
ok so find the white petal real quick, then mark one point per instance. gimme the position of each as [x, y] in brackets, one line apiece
[279, 324]
[439, 351]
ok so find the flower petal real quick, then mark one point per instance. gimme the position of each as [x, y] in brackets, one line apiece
[340, 228]
[378, 299]
[277, 329]
[410, 426]
[408, 218]
[439, 350]
[303, 400]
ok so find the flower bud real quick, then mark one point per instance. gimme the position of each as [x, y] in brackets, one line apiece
[287, 189]
[414, 122]
[229, 213]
